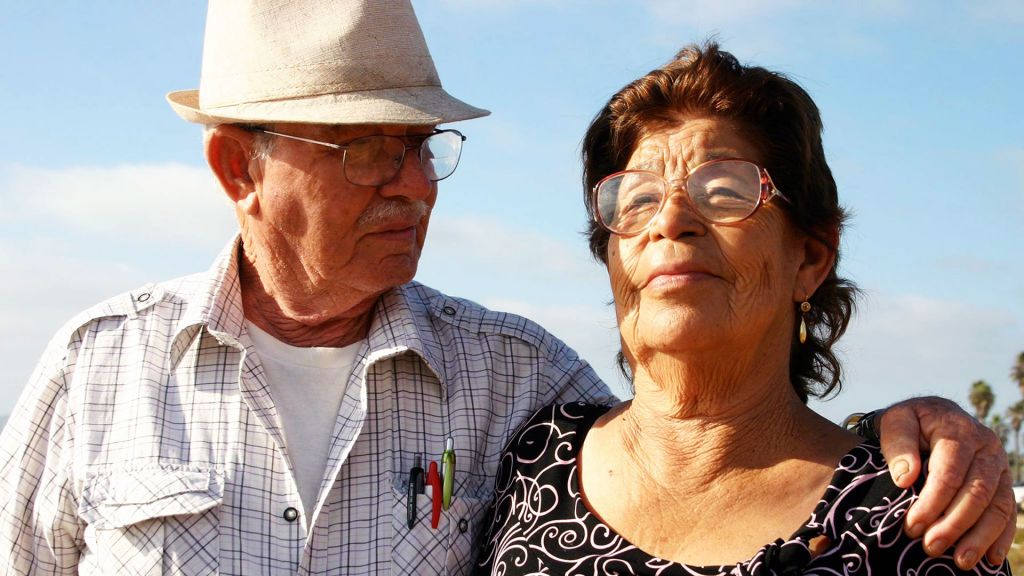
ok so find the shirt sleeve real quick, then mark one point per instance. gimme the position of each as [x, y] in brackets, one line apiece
[575, 379]
[39, 528]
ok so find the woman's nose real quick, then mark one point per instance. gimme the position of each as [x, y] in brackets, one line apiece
[678, 217]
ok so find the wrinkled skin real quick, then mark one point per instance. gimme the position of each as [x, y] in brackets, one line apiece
[726, 284]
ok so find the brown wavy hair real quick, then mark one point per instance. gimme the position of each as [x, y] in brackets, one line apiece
[783, 122]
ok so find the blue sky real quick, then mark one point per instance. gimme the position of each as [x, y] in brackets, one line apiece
[103, 188]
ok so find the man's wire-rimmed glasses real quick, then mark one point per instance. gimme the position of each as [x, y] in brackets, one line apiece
[375, 160]
[722, 191]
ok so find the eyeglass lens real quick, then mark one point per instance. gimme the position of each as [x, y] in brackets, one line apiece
[375, 160]
[721, 191]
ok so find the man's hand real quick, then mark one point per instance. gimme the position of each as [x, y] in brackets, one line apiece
[967, 497]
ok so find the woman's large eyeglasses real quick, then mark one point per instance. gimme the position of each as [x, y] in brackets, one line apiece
[722, 191]
[375, 160]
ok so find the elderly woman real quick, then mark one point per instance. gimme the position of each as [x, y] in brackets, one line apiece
[717, 216]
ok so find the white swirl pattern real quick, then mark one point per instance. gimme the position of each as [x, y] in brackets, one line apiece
[540, 524]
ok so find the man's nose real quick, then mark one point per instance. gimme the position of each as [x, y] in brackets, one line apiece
[410, 181]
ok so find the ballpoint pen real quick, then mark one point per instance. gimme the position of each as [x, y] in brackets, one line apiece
[448, 466]
[415, 487]
[434, 481]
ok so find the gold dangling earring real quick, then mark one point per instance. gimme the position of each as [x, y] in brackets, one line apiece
[805, 307]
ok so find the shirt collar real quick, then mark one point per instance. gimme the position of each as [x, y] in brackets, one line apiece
[216, 305]
[401, 323]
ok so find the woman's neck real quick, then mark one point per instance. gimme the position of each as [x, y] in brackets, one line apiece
[664, 468]
[694, 436]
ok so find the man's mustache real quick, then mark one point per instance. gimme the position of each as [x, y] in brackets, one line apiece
[393, 210]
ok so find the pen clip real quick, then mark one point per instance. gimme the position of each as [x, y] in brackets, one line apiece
[416, 476]
[448, 466]
[414, 487]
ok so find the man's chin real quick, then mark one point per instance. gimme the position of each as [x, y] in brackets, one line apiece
[396, 270]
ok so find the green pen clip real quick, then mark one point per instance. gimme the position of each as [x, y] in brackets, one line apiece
[448, 470]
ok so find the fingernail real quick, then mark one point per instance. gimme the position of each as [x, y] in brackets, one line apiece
[967, 559]
[1000, 557]
[900, 469]
[915, 531]
[937, 547]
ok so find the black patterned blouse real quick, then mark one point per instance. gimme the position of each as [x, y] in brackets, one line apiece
[541, 525]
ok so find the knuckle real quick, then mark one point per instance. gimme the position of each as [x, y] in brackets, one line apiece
[945, 481]
[1004, 515]
[1004, 508]
[964, 423]
[981, 492]
[987, 437]
[1006, 538]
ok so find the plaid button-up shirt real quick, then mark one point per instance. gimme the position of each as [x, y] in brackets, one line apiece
[146, 441]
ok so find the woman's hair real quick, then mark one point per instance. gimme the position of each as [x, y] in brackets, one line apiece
[783, 123]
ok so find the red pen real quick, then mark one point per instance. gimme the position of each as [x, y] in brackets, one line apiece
[434, 481]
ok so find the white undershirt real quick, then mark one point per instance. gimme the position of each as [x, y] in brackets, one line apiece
[307, 386]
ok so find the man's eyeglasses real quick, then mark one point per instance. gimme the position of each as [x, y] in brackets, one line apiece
[722, 191]
[375, 160]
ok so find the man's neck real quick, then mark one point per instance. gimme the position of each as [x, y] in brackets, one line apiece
[300, 323]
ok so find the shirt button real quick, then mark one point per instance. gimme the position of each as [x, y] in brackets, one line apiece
[463, 525]
[448, 310]
[143, 297]
[290, 514]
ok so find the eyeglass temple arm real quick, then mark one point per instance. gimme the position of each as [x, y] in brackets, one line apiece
[328, 144]
[772, 189]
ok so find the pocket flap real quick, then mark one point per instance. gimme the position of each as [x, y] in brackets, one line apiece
[124, 497]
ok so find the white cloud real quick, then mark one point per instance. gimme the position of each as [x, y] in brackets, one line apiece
[482, 249]
[72, 237]
[908, 345]
[164, 202]
[45, 283]
[1003, 11]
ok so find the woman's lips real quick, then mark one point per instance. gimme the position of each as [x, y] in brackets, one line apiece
[677, 274]
[676, 280]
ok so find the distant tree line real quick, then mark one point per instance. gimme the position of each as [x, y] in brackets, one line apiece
[982, 399]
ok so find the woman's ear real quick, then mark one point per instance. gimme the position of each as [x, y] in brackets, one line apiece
[819, 255]
[229, 153]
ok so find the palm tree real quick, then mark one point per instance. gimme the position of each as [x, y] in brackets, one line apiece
[1015, 413]
[1017, 372]
[981, 398]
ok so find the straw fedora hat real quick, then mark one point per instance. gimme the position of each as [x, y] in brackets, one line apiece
[318, 62]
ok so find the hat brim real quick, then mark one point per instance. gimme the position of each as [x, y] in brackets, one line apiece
[424, 105]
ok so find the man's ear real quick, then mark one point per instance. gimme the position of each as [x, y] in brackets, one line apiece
[229, 153]
[819, 255]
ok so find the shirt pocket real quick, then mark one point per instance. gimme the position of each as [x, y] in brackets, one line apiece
[151, 521]
[450, 549]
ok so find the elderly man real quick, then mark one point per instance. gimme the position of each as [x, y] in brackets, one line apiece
[270, 415]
